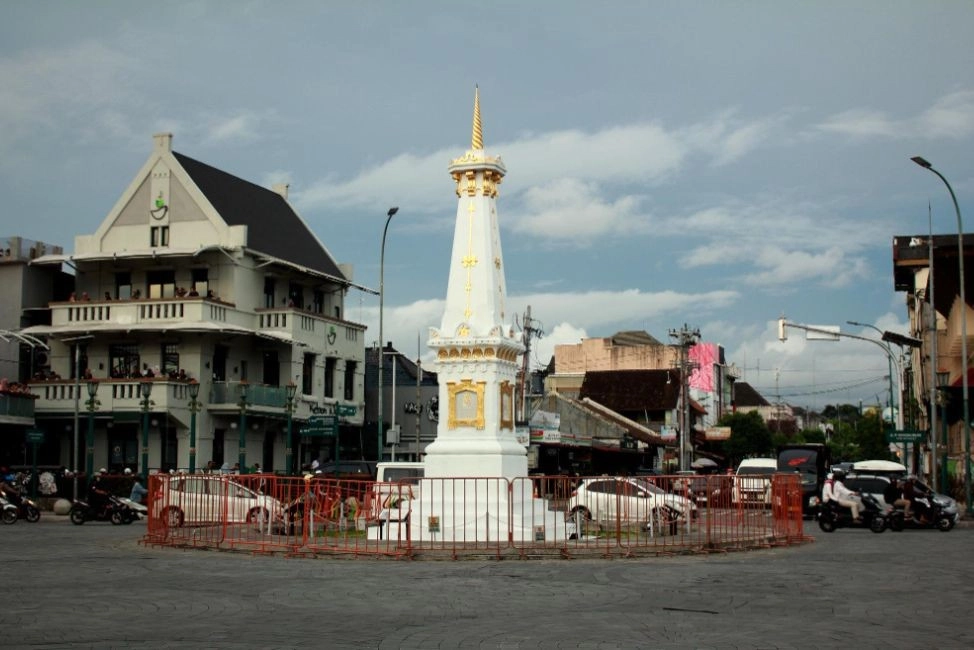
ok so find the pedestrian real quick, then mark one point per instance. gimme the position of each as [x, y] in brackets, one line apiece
[138, 490]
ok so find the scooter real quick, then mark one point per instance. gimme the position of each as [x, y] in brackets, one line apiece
[140, 510]
[114, 511]
[9, 511]
[831, 516]
[28, 510]
[936, 517]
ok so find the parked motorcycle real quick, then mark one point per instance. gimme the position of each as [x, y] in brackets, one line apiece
[831, 516]
[9, 511]
[114, 511]
[938, 515]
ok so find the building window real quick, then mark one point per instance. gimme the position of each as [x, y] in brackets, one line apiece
[318, 304]
[349, 381]
[123, 285]
[307, 374]
[170, 359]
[123, 360]
[200, 282]
[269, 293]
[330, 363]
[295, 296]
[159, 236]
[161, 284]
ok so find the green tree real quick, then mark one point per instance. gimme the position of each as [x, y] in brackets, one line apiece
[749, 437]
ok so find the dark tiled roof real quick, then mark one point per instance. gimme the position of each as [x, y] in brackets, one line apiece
[632, 390]
[632, 338]
[745, 395]
[273, 227]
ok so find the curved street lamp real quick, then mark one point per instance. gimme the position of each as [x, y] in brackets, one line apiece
[963, 334]
[242, 443]
[194, 407]
[92, 405]
[382, 361]
[291, 389]
[145, 389]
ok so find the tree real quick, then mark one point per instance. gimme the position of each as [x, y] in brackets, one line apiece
[749, 437]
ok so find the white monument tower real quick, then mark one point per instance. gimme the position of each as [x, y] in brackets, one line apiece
[476, 352]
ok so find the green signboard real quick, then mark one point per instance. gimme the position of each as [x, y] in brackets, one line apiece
[321, 426]
[35, 436]
[906, 436]
[345, 409]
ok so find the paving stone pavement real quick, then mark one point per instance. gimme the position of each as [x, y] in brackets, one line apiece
[94, 586]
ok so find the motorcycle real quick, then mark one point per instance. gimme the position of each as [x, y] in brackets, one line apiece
[114, 511]
[28, 510]
[9, 511]
[938, 516]
[831, 516]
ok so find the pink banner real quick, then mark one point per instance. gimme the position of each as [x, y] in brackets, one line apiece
[704, 355]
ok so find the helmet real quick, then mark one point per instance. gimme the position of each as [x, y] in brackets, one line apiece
[103, 471]
[127, 471]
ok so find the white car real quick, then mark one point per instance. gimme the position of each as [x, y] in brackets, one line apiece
[215, 499]
[630, 500]
[752, 483]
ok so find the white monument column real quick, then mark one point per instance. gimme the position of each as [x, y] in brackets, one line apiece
[476, 352]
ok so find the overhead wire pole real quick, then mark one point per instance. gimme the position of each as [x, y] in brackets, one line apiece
[686, 338]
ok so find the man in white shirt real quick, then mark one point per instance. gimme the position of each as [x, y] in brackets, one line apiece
[844, 496]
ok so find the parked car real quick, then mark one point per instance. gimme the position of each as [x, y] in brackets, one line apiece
[358, 470]
[752, 482]
[703, 489]
[631, 500]
[215, 499]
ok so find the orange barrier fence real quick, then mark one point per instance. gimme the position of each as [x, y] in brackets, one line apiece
[469, 516]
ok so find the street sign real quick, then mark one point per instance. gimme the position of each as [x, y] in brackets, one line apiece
[345, 409]
[321, 426]
[905, 436]
[35, 436]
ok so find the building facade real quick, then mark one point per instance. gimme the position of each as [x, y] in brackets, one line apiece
[198, 276]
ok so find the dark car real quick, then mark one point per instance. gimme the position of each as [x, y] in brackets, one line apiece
[358, 470]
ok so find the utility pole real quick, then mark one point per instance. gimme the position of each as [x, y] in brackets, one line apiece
[686, 338]
[529, 330]
[419, 396]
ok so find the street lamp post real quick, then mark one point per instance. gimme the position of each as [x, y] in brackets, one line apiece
[291, 389]
[963, 335]
[194, 407]
[382, 264]
[92, 405]
[145, 389]
[242, 443]
[943, 380]
[889, 360]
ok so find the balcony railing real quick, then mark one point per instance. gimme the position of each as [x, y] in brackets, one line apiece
[16, 406]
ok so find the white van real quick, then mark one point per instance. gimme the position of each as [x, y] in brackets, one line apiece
[394, 482]
[752, 483]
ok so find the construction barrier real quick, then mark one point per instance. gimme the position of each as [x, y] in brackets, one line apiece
[468, 516]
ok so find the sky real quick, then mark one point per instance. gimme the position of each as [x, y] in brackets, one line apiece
[711, 164]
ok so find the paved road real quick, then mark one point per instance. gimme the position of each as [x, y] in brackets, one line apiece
[95, 586]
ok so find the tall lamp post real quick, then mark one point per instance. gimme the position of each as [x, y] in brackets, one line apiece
[92, 405]
[963, 335]
[242, 443]
[943, 380]
[194, 407]
[291, 389]
[145, 389]
[382, 345]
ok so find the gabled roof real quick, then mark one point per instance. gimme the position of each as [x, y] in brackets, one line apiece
[633, 338]
[632, 390]
[745, 395]
[273, 227]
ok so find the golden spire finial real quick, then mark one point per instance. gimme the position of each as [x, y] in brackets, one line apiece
[477, 141]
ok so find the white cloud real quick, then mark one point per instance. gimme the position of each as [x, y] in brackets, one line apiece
[951, 116]
[243, 126]
[575, 212]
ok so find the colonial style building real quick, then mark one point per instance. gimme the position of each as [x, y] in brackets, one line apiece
[200, 281]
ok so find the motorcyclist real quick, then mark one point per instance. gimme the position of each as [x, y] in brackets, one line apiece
[9, 490]
[827, 493]
[916, 498]
[844, 496]
[97, 495]
[138, 490]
